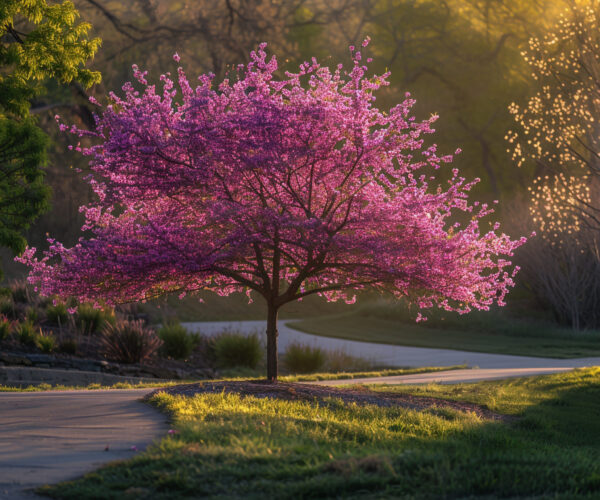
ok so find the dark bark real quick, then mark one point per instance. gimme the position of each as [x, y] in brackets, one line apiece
[272, 343]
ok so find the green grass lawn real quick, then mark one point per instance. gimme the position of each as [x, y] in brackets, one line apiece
[494, 332]
[256, 374]
[228, 446]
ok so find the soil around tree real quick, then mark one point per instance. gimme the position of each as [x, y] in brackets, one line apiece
[292, 391]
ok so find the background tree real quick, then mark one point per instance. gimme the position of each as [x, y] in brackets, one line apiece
[559, 134]
[37, 42]
[284, 187]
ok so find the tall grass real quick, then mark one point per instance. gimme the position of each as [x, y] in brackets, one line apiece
[129, 341]
[232, 349]
[302, 358]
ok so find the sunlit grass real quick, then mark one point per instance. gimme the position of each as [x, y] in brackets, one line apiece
[237, 374]
[230, 446]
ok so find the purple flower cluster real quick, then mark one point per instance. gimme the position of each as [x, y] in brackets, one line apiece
[286, 187]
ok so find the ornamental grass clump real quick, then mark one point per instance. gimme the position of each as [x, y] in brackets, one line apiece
[129, 341]
[46, 342]
[233, 349]
[178, 343]
[302, 358]
[19, 292]
[7, 308]
[91, 320]
[32, 315]
[5, 327]
[57, 314]
[27, 333]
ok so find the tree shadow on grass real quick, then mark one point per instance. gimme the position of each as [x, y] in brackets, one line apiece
[268, 449]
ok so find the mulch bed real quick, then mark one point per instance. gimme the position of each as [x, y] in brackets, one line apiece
[319, 393]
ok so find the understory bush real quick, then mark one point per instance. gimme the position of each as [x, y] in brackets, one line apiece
[26, 333]
[129, 341]
[46, 342]
[32, 315]
[302, 358]
[5, 328]
[92, 320]
[57, 314]
[178, 343]
[233, 349]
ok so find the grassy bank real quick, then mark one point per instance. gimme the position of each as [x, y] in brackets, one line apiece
[227, 446]
[494, 332]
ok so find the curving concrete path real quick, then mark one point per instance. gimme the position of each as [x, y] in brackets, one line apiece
[394, 355]
[47, 437]
[447, 377]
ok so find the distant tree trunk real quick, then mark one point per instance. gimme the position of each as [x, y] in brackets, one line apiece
[272, 343]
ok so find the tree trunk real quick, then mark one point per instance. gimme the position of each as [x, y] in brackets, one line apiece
[272, 343]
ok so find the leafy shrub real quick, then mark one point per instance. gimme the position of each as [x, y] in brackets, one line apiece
[300, 358]
[67, 346]
[92, 320]
[26, 333]
[129, 341]
[178, 343]
[5, 327]
[46, 342]
[233, 349]
[57, 314]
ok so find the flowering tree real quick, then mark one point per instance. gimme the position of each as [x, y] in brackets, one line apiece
[283, 187]
[559, 133]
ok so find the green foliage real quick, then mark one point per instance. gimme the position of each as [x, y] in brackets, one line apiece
[53, 46]
[178, 343]
[37, 42]
[232, 349]
[234, 446]
[92, 320]
[46, 342]
[67, 346]
[129, 341]
[27, 333]
[7, 308]
[57, 314]
[32, 315]
[302, 358]
[5, 328]
[23, 194]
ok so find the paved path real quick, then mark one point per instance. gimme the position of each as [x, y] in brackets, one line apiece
[47, 437]
[394, 355]
[447, 377]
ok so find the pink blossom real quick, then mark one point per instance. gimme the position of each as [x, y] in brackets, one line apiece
[283, 186]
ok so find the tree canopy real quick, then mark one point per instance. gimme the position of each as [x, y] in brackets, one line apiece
[37, 42]
[284, 187]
